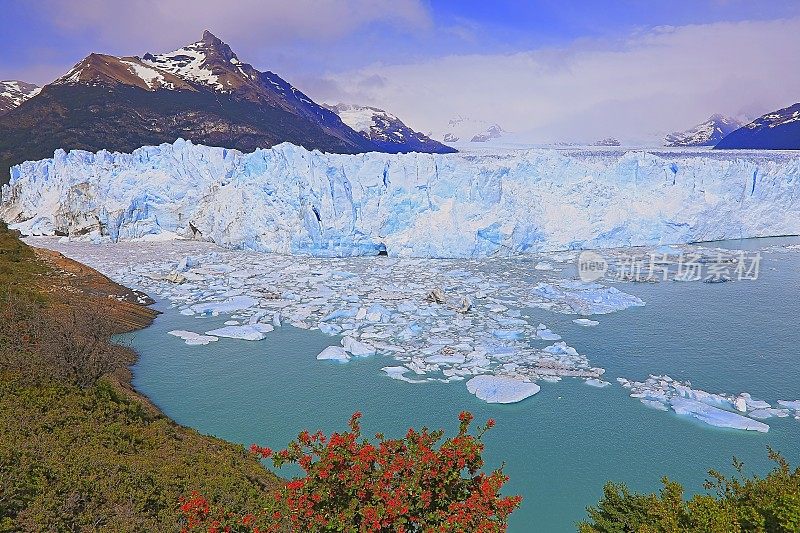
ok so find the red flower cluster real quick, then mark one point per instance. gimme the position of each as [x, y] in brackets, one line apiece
[417, 483]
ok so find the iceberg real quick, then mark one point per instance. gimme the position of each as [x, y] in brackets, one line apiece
[334, 353]
[586, 322]
[720, 410]
[795, 405]
[237, 303]
[193, 339]
[501, 389]
[247, 332]
[714, 416]
[290, 200]
[357, 348]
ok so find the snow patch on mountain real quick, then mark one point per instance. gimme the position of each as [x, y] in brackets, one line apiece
[14, 92]
[290, 200]
[189, 63]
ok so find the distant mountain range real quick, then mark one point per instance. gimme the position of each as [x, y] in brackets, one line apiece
[387, 131]
[467, 129]
[778, 130]
[13, 93]
[709, 133]
[608, 141]
[201, 92]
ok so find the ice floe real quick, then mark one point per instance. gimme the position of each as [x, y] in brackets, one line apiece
[720, 410]
[334, 353]
[433, 320]
[247, 332]
[501, 389]
[193, 339]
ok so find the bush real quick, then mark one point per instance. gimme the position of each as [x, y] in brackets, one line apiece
[769, 504]
[351, 484]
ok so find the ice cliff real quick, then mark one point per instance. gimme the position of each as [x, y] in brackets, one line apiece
[290, 200]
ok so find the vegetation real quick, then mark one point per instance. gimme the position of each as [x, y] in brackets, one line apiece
[79, 451]
[769, 504]
[353, 485]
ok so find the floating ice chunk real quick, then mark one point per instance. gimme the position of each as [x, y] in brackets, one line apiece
[341, 313]
[762, 414]
[248, 332]
[714, 416]
[754, 404]
[187, 312]
[544, 333]
[357, 348]
[715, 400]
[594, 382]
[398, 373]
[668, 250]
[455, 359]
[561, 348]
[586, 322]
[501, 389]
[587, 298]
[795, 404]
[334, 353]
[508, 334]
[329, 329]
[193, 339]
[543, 265]
[740, 403]
[231, 322]
[654, 404]
[236, 303]
[186, 263]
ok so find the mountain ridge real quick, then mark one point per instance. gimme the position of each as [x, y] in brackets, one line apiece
[386, 130]
[777, 130]
[201, 92]
[707, 133]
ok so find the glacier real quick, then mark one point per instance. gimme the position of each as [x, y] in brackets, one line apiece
[289, 200]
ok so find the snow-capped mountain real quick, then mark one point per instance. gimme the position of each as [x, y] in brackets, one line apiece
[386, 130]
[290, 200]
[13, 93]
[202, 92]
[779, 130]
[709, 133]
[466, 129]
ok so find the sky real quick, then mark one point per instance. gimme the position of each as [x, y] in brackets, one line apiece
[545, 70]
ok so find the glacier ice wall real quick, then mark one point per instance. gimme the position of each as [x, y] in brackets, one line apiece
[290, 200]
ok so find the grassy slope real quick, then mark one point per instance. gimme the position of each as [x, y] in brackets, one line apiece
[96, 456]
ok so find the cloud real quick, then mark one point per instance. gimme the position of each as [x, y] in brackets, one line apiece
[161, 24]
[638, 88]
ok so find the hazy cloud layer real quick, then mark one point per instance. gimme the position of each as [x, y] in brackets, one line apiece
[171, 23]
[637, 89]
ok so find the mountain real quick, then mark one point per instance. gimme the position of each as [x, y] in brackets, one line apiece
[466, 129]
[709, 133]
[13, 93]
[201, 92]
[608, 141]
[387, 131]
[779, 130]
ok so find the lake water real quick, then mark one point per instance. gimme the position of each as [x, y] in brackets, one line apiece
[559, 446]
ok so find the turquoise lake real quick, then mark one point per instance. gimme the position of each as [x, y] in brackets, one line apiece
[559, 446]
